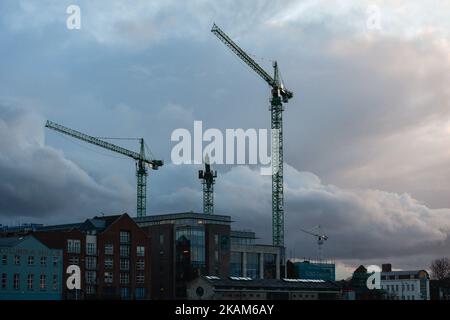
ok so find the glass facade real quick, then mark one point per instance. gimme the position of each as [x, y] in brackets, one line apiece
[236, 264]
[320, 271]
[190, 256]
[253, 267]
[270, 266]
[194, 239]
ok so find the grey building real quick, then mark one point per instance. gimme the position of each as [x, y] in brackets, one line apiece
[256, 261]
[244, 288]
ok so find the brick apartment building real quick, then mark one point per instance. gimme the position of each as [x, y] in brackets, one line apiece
[113, 254]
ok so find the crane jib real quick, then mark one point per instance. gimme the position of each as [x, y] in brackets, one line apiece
[106, 145]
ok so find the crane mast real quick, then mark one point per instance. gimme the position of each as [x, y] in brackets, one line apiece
[279, 95]
[208, 179]
[140, 158]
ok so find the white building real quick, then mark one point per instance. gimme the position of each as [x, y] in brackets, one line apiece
[405, 285]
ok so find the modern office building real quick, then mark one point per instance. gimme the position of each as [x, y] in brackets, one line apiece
[309, 269]
[256, 261]
[29, 270]
[405, 285]
[185, 246]
[244, 288]
[113, 254]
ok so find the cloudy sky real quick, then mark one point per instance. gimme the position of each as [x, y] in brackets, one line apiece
[367, 135]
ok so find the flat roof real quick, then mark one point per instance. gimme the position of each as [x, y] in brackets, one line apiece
[272, 284]
[182, 215]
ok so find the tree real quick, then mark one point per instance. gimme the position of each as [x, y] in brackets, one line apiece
[440, 268]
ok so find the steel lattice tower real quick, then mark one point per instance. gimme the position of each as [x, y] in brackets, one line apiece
[208, 180]
[279, 95]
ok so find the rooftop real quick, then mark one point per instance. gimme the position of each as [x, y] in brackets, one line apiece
[172, 218]
[271, 284]
[10, 241]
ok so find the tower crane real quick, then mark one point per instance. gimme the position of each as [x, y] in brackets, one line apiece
[141, 160]
[279, 94]
[321, 238]
[208, 179]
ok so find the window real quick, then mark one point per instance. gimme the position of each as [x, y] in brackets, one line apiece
[108, 277]
[412, 287]
[91, 248]
[55, 261]
[109, 248]
[108, 263]
[16, 281]
[30, 279]
[4, 259]
[55, 282]
[253, 265]
[124, 264]
[396, 287]
[4, 280]
[74, 260]
[140, 265]
[125, 293]
[73, 246]
[124, 251]
[216, 256]
[43, 261]
[16, 260]
[140, 278]
[90, 289]
[216, 239]
[42, 282]
[407, 287]
[124, 278]
[91, 263]
[140, 293]
[90, 277]
[236, 264]
[161, 239]
[269, 266]
[140, 251]
[31, 260]
[124, 237]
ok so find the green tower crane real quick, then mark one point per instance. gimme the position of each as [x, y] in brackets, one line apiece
[141, 160]
[208, 177]
[279, 94]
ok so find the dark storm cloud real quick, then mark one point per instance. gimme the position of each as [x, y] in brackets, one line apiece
[37, 181]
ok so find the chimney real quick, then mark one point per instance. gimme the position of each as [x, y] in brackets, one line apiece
[386, 267]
